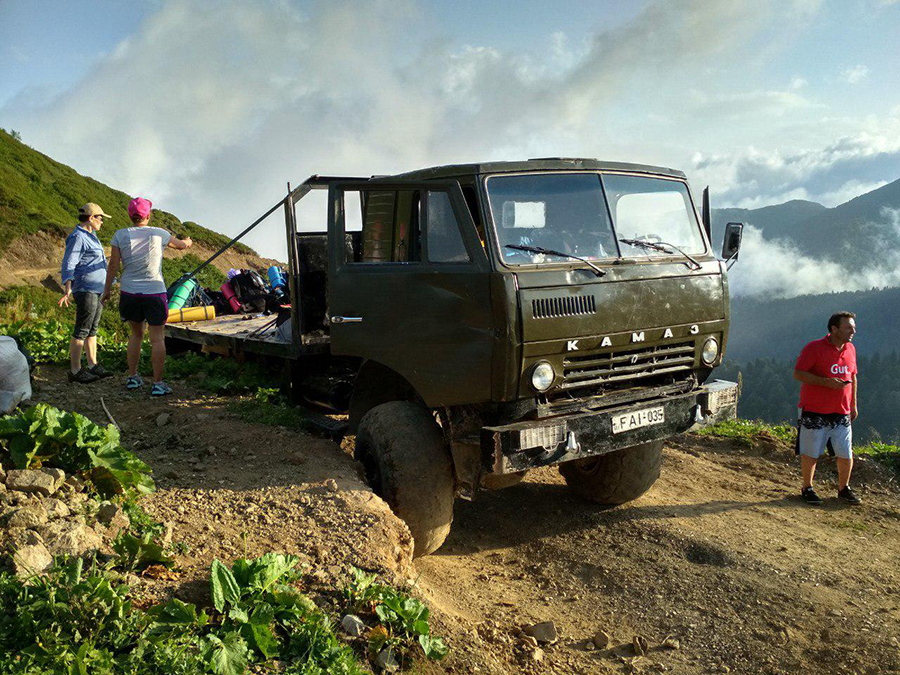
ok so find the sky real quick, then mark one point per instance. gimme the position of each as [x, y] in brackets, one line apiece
[210, 108]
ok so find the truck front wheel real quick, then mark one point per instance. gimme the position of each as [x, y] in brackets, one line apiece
[407, 463]
[617, 477]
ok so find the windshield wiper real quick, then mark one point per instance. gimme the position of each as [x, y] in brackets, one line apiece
[661, 246]
[548, 251]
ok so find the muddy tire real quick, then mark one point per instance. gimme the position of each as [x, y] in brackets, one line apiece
[501, 481]
[407, 463]
[617, 477]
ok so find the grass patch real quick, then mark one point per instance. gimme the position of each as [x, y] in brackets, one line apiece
[749, 431]
[272, 414]
[885, 453]
[222, 376]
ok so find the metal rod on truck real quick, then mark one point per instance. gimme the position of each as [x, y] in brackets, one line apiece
[235, 240]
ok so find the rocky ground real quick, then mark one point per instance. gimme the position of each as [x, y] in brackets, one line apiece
[719, 568]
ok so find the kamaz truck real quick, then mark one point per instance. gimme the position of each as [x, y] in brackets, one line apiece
[477, 321]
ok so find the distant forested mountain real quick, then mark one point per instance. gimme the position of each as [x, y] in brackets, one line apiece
[764, 328]
[771, 393]
[861, 233]
[775, 221]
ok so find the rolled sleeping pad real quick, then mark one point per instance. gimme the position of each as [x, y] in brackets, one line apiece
[192, 314]
[182, 293]
[277, 280]
[228, 292]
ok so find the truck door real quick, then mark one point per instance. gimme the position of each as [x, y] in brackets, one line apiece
[408, 286]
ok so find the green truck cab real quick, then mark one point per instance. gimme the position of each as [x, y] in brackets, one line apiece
[477, 321]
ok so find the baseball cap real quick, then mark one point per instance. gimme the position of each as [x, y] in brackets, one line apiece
[91, 209]
[139, 207]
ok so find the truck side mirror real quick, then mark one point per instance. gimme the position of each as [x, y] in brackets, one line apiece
[732, 243]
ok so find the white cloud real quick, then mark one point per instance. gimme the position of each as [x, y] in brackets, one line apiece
[833, 174]
[209, 113]
[777, 269]
[854, 74]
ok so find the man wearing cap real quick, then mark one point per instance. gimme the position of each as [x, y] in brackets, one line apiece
[83, 275]
[139, 250]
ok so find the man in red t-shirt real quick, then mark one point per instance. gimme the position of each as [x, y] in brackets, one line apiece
[827, 369]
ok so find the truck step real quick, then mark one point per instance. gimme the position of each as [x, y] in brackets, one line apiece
[334, 428]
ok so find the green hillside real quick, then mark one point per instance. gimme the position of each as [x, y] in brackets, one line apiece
[39, 194]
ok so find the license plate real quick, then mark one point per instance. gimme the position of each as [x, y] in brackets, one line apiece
[637, 418]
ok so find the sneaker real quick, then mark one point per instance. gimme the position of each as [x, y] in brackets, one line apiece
[83, 376]
[849, 496]
[100, 371]
[160, 389]
[134, 382]
[809, 496]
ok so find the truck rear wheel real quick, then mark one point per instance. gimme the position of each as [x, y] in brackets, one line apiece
[407, 463]
[617, 477]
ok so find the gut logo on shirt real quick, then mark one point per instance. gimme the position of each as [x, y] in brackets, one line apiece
[840, 370]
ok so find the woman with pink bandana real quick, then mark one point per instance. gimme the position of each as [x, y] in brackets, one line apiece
[139, 249]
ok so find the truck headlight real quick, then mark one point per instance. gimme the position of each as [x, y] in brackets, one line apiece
[710, 351]
[542, 376]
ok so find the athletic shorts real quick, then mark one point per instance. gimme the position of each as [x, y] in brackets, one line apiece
[152, 308]
[816, 430]
[87, 314]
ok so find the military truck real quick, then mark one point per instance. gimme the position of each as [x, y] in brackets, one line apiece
[477, 321]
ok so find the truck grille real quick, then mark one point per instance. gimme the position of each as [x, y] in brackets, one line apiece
[569, 305]
[619, 367]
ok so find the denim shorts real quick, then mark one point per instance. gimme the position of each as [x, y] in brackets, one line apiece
[817, 430]
[87, 314]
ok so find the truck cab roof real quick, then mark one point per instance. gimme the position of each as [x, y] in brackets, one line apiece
[538, 164]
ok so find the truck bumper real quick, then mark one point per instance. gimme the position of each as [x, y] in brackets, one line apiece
[535, 443]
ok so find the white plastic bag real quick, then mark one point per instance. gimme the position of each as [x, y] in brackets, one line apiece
[15, 383]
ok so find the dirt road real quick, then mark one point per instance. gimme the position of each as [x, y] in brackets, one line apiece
[720, 556]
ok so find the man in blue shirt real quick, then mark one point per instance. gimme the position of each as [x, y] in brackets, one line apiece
[84, 275]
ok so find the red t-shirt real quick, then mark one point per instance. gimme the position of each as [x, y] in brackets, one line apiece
[822, 358]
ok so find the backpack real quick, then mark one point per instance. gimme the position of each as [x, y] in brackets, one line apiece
[252, 292]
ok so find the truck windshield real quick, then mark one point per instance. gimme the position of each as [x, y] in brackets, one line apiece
[566, 212]
[652, 210]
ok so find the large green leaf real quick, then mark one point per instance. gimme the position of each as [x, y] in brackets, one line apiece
[263, 639]
[223, 586]
[226, 655]
[269, 568]
[139, 552]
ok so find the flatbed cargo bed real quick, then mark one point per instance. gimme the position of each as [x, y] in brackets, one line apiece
[253, 333]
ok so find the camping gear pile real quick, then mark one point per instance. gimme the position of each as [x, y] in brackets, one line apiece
[244, 292]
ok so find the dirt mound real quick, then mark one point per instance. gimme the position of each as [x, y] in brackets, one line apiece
[230, 489]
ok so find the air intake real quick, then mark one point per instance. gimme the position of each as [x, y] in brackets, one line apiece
[570, 305]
